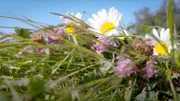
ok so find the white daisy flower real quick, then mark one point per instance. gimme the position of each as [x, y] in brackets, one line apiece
[161, 42]
[71, 24]
[105, 23]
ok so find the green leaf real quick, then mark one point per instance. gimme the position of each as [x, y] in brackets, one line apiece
[22, 32]
[36, 86]
[146, 96]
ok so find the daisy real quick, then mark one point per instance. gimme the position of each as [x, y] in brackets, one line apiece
[105, 23]
[70, 27]
[161, 42]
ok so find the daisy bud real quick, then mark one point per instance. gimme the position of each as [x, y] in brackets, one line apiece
[37, 36]
[143, 47]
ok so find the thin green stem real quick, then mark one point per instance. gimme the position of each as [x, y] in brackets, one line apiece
[170, 21]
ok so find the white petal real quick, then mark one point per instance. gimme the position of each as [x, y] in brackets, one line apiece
[118, 19]
[64, 20]
[78, 15]
[115, 15]
[93, 23]
[102, 19]
[162, 34]
[110, 14]
[100, 14]
[167, 35]
[162, 31]
[96, 18]
[156, 34]
[104, 15]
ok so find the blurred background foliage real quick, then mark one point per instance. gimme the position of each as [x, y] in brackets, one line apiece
[144, 17]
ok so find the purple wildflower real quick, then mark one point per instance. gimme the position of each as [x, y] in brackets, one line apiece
[59, 31]
[149, 71]
[27, 48]
[41, 51]
[125, 67]
[115, 45]
[51, 38]
[99, 47]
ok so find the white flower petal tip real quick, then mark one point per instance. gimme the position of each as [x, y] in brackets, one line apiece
[78, 15]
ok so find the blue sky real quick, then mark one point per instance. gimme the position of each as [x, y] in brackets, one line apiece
[38, 10]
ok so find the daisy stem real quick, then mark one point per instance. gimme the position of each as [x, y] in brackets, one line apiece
[170, 21]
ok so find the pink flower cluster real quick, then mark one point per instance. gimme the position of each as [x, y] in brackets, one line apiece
[99, 47]
[39, 37]
[58, 31]
[125, 67]
[149, 71]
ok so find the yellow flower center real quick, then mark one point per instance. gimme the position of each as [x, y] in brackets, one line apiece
[70, 28]
[161, 48]
[107, 26]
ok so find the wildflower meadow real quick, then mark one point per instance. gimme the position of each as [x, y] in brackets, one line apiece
[93, 60]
